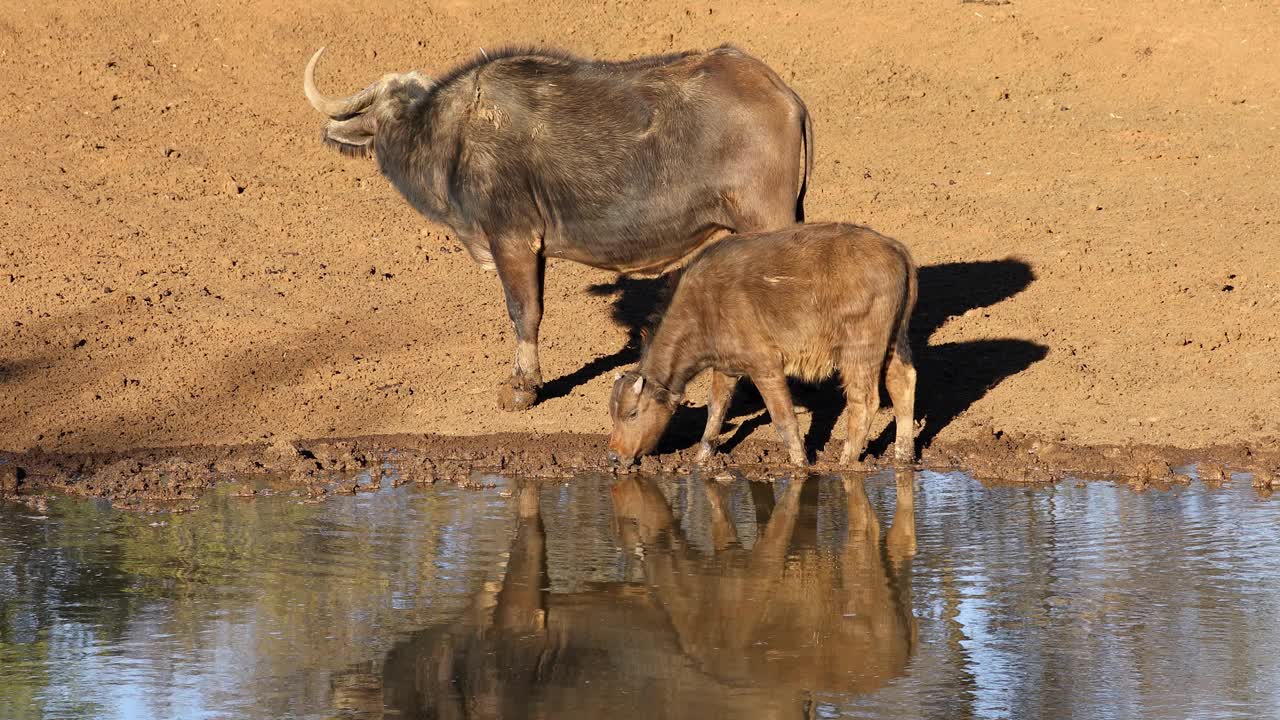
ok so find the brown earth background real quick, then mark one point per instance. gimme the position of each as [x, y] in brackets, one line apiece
[1091, 190]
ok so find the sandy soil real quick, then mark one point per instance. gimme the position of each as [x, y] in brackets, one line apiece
[1091, 191]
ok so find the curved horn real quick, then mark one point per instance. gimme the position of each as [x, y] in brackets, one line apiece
[335, 108]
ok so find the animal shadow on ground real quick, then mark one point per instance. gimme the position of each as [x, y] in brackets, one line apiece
[952, 376]
[637, 301]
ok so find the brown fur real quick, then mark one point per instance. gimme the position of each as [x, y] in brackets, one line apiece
[630, 166]
[802, 302]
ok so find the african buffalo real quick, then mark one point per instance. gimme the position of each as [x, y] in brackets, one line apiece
[804, 302]
[628, 166]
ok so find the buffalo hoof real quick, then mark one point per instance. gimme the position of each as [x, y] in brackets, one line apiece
[513, 396]
[903, 456]
[848, 456]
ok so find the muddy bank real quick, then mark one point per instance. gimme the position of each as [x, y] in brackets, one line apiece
[175, 478]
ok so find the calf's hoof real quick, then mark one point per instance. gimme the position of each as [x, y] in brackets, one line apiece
[514, 395]
[705, 451]
[903, 456]
[849, 456]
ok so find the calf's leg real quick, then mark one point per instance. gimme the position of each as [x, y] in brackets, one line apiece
[900, 380]
[723, 531]
[777, 398]
[861, 392]
[521, 268]
[717, 407]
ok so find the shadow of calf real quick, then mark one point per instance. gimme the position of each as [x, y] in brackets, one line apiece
[953, 376]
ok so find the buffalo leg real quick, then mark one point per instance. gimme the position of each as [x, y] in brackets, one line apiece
[900, 380]
[901, 539]
[521, 269]
[862, 396]
[521, 603]
[723, 530]
[777, 398]
[763, 208]
[717, 407]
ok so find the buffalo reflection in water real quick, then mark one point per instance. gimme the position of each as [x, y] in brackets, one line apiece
[750, 633]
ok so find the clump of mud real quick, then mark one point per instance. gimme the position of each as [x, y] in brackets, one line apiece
[1264, 481]
[9, 476]
[174, 479]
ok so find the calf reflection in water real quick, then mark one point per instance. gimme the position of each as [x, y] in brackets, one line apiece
[748, 632]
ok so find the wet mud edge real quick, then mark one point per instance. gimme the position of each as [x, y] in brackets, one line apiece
[175, 478]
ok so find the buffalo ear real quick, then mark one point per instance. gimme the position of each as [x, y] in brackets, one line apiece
[638, 386]
[353, 136]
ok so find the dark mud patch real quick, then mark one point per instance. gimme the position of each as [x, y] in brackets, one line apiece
[1006, 457]
[173, 479]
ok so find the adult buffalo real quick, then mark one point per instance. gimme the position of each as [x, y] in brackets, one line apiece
[628, 166]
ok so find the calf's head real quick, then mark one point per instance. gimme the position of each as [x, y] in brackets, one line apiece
[640, 410]
[354, 121]
[640, 512]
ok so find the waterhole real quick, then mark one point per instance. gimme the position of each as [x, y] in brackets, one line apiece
[899, 595]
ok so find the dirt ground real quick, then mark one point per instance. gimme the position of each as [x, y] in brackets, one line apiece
[1091, 192]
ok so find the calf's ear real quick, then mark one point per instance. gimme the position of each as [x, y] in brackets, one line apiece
[638, 386]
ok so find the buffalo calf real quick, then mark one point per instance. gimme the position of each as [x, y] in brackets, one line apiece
[801, 302]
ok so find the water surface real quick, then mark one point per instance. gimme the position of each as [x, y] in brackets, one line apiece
[905, 596]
